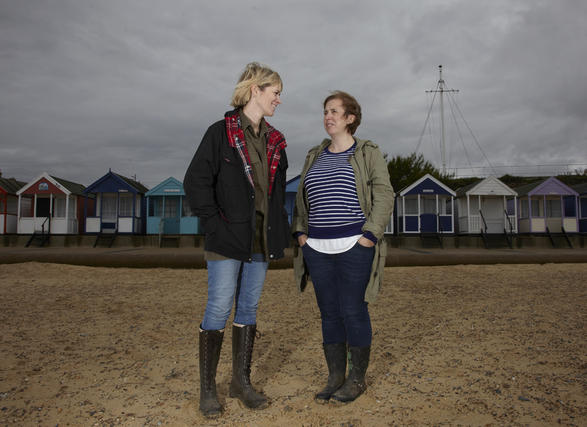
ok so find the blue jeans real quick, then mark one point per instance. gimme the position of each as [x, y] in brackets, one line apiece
[235, 281]
[340, 281]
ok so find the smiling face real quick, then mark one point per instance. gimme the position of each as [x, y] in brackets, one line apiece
[267, 99]
[335, 118]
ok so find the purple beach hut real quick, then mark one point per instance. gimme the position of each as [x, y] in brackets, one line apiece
[581, 190]
[547, 206]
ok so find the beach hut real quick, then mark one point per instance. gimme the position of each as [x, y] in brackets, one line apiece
[547, 206]
[9, 204]
[291, 189]
[389, 228]
[487, 206]
[120, 205]
[581, 190]
[167, 210]
[426, 206]
[50, 205]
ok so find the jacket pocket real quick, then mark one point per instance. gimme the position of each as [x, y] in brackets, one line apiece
[209, 223]
[233, 191]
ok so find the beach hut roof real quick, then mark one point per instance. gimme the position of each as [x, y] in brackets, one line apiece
[11, 185]
[463, 190]
[104, 184]
[545, 187]
[65, 186]
[490, 186]
[291, 186]
[526, 188]
[169, 187]
[580, 188]
[427, 185]
[133, 183]
[73, 187]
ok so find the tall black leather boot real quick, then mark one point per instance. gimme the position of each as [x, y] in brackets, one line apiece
[355, 384]
[210, 345]
[243, 339]
[335, 355]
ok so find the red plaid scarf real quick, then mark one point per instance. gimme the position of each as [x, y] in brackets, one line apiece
[236, 138]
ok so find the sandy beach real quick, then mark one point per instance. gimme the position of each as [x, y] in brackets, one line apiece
[455, 345]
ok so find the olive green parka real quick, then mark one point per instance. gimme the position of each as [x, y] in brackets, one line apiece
[376, 198]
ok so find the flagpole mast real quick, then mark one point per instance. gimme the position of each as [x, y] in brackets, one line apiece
[441, 90]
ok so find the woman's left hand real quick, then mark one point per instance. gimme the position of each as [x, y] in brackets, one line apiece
[363, 241]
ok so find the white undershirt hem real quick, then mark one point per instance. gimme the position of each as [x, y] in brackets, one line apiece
[333, 246]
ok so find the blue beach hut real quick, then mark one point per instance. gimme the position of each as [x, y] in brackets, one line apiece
[120, 205]
[168, 211]
[426, 206]
[291, 189]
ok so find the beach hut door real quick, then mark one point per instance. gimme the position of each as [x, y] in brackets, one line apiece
[493, 211]
[109, 213]
[171, 216]
[428, 221]
[171, 226]
[43, 207]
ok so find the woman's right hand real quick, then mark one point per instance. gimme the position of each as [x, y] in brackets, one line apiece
[302, 239]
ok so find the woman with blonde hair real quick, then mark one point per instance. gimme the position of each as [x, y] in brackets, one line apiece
[236, 185]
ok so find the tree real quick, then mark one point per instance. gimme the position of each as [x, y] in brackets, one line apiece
[404, 171]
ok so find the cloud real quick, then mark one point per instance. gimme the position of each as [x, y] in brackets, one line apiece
[133, 85]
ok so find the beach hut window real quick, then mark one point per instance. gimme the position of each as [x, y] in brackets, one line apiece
[411, 206]
[569, 202]
[26, 207]
[524, 210]
[510, 206]
[109, 206]
[429, 204]
[155, 204]
[125, 205]
[447, 207]
[12, 206]
[537, 208]
[185, 207]
[72, 205]
[59, 209]
[553, 208]
[474, 204]
[583, 207]
[171, 207]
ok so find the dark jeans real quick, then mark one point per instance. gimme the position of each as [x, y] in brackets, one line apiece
[339, 282]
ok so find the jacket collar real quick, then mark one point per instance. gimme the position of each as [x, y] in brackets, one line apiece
[236, 139]
[326, 142]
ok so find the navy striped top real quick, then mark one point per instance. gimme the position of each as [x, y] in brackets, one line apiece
[335, 211]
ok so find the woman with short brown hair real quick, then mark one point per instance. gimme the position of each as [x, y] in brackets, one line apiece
[343, 204]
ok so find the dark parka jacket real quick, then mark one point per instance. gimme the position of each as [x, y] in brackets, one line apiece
[218, 191]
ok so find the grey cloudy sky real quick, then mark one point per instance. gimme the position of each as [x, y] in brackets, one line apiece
[132, 85]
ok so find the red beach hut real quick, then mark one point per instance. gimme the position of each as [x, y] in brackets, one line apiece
[9, 204]
[50, 205]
